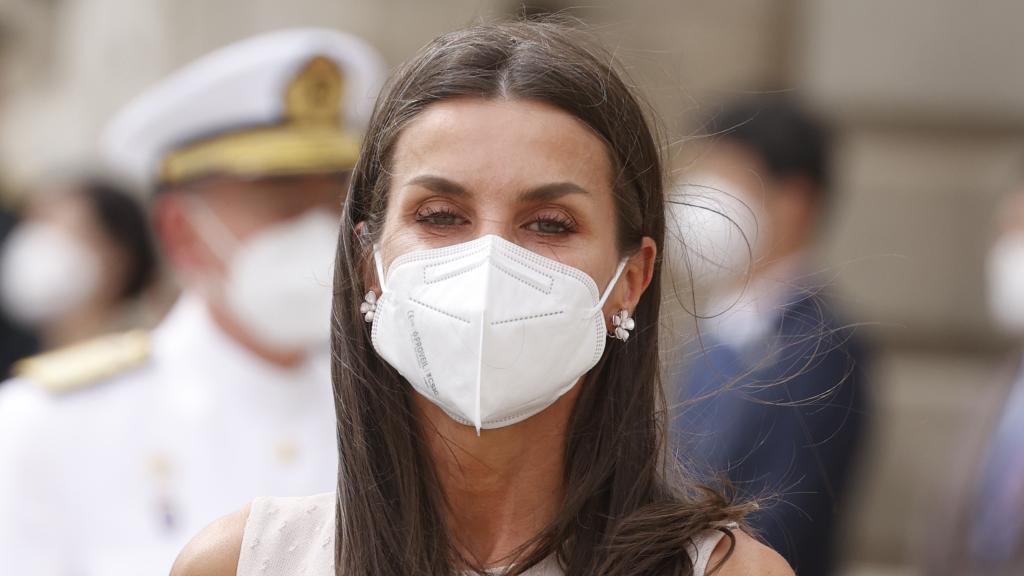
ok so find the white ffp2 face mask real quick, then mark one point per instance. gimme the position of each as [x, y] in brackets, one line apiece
[1006, 283]
[489, 331]
[46, 273]
[278, 283]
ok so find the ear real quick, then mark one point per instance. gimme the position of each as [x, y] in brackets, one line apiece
[175, 233]
[636, 277]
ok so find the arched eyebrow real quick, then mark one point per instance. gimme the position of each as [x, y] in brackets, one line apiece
[552, 191]
[438, 184]
[542, 193]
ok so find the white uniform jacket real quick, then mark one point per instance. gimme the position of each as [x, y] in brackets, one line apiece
[113, 479]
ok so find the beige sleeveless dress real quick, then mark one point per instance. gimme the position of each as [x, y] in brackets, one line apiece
[295, 537]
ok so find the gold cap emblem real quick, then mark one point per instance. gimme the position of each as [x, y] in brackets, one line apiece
[314, 96]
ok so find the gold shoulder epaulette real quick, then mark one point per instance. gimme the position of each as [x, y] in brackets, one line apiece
[80, 365]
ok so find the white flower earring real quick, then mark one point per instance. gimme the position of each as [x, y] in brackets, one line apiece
[369, 306]
[623, 324]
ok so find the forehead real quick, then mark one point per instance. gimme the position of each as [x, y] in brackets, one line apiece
[495, 143]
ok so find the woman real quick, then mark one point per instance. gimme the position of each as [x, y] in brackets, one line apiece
[504, 219]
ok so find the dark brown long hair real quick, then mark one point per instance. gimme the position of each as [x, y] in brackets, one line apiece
[621, 513]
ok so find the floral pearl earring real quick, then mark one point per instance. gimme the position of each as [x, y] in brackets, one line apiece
[368, 308]
[623, 324]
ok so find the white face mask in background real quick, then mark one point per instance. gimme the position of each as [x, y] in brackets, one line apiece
[714, 233]
[46, 273]
[487, 330]
[1006, 283]
[278, 282]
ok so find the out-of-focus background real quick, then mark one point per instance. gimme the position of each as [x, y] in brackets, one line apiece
[927, 97]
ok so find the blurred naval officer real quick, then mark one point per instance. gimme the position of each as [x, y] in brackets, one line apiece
[114, 452]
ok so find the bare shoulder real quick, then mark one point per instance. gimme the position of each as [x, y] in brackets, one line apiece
[749, 558]
[215, 550]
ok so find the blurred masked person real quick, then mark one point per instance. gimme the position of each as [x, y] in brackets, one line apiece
[112, 454]
[79, 263]
[980, 515]
[771, 393]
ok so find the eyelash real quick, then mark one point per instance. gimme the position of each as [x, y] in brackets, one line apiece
[429, 215]
[568, 224]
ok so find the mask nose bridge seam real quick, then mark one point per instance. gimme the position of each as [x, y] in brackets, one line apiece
[413, 257]
[546, 290]
[438, 310]
[450, 275]
[525, 318]
[525, 282]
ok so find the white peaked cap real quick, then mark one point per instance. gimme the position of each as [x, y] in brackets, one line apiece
[241, 89]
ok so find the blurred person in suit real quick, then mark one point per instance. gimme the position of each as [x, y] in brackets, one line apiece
[772, 393]
[980, 503]
[114, 451]
[79, 263]
[16, 342]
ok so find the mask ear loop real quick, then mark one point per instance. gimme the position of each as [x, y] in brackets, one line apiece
[378, 262]
[611, 285]
[212, 229]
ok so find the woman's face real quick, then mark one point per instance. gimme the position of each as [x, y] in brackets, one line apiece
[522, 170]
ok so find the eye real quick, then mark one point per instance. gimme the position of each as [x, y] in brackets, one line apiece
[439, 216]
[552, 224]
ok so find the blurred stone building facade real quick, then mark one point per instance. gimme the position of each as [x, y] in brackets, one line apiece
[927, 95]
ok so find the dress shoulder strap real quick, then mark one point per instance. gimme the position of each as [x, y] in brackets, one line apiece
[704, 545]
[287, 536]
